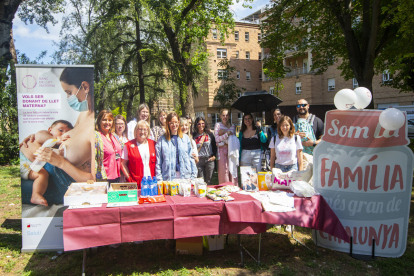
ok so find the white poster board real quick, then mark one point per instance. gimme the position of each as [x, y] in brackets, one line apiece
[45, 112]
[365, 174]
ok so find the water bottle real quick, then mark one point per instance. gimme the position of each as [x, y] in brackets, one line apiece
[150, 186]
[155, 186]
[144, 187]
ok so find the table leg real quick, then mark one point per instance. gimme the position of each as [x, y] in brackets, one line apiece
[293, 236]
[260, 243]
[240, 250]
[83, 263]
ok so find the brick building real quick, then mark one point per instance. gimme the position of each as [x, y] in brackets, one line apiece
[243, 51]
[320, 90]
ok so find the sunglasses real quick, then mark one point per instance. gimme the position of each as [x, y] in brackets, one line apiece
[301, 105]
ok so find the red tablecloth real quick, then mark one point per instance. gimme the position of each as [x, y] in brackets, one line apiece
[182, 217]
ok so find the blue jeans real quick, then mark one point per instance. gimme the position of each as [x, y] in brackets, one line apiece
[286, 168]
[251, 158]
[59, 181]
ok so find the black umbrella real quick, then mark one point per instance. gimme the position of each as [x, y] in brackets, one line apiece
[256, 101]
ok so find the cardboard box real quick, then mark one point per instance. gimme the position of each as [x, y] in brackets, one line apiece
[265, 181]
[123, 192]
[213, 243]
[84, 194]
[192, 246]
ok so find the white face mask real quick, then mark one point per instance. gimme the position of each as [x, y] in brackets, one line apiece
[75, 104]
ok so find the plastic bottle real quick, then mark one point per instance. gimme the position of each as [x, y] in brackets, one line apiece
[37, 165]
[144, 187]
[155, 186]
[150, 186]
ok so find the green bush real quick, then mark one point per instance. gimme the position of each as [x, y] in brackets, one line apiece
[9, 148]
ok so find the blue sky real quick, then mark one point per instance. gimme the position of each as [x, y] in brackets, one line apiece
[32, 39]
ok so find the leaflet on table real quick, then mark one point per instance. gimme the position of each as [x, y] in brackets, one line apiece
[85, 206]
[47, 113]
[121, 204]
[275, 201]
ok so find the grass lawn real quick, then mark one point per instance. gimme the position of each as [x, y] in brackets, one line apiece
[281, 255]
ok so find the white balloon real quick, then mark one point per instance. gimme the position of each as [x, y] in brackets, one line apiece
[344, 99]
[391, 119]
[363, 97]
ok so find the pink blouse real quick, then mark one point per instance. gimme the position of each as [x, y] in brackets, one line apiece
[112, 165]
[223, 137]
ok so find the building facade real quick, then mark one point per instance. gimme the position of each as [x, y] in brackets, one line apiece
[302, 82]
[242, 49]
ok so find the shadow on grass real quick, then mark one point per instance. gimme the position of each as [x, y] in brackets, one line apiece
[15, 224]
[12, 242]
[153, 258]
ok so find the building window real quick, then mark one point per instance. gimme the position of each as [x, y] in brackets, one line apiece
[199, 114]
[354, 83]
[215, 118]
[260, 56]
[246, 36]
[248, 76]
[331, 84]
[247, 55]
[237, 54]
[238, 75]
[214, 33]
[240, 115]
[260, 76]
[386, 76]
[221, 53]
[236, 35]
[259, 37]
[298, 86]
[222, 74]
[271, 89]
[238, 94]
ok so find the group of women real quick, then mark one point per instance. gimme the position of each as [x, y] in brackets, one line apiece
[177, 148]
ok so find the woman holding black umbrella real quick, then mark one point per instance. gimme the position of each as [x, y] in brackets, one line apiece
[251, 139]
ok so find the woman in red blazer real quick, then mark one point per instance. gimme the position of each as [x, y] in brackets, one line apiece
[138, 156]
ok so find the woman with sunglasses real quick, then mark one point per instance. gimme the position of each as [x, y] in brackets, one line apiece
[207, 149]
[251, 139]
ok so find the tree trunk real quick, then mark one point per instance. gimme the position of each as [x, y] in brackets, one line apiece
[7, 11]
[188, 108]
[139, 57]
[130, 100]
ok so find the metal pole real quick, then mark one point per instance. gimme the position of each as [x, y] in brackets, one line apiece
[260, 242]
[241, 251]
[84, 261]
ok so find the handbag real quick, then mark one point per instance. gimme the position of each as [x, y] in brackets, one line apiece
[265, 160]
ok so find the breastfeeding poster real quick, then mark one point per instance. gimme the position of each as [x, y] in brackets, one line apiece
[365, 174]
[56, 113]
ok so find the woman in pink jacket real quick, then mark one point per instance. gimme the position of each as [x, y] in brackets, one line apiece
[222, 131]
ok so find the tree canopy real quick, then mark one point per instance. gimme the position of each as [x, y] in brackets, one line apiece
[366, 35]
